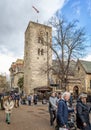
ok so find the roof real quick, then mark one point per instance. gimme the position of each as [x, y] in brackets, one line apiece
[86, 65]
[43, 88]
[57, 66]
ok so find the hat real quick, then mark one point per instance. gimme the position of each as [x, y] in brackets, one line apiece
[83, 95]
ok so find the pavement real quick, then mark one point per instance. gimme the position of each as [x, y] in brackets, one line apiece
[35, 117]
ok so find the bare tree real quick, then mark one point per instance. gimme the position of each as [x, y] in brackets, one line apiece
[68, 43]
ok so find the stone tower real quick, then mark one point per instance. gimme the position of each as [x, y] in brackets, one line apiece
[37, 56]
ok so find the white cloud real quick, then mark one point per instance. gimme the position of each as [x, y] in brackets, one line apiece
[87, 58]
[14, 21]
[6, 61]
[48, 7]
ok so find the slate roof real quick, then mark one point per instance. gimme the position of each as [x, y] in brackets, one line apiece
[57, 68]
[86, 65]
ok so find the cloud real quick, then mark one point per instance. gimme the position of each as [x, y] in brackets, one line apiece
[89, 6]
[87, 58]
[14, 18]
[76, 8]
[16, 15]
[5, 61]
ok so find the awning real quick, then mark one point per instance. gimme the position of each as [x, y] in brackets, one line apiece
[42, 89]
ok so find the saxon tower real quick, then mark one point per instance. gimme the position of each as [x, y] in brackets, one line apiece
[37, 56]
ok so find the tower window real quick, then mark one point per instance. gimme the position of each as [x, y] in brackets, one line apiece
[42, 40]
[38, 51]
[39, 39]
[78, 69]
[42, 52]
[47, 34]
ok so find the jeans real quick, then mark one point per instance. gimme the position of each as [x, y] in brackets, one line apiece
[52, 116]
[8, 117]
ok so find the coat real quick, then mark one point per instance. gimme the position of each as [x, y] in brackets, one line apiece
[82, 114]
[52, 103]
[8, 106]
[62, 113]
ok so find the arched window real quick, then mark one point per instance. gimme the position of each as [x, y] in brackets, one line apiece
[38, 51]
[42, 40]
[42, 52]
[78, 69]
[39, 39]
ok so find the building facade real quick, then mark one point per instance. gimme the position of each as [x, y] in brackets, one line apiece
[37, 63]
[16, 72]
[37, 56]
[83, 73]
[3, 81]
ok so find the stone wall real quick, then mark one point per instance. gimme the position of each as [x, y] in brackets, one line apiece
[37, 56]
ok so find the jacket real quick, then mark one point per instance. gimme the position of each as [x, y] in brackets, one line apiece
[8, 106]
[82, 114]
[52, 103]
[62, 113]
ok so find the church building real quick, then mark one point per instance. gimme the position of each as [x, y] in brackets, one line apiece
[37, 56]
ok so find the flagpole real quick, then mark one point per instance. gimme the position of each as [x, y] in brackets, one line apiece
[37, 11]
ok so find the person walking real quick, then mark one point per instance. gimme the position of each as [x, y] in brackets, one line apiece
[59, 96]
[29, 99]
[52, 107]
[17, 99]
[8, 105]
[62, 111]
[35, 98]
[82, 115]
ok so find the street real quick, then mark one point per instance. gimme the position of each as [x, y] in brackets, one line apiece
[35, 117]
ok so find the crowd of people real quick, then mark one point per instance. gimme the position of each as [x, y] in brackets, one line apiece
[60, 108]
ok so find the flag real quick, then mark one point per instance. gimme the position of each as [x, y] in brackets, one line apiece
[35, 9]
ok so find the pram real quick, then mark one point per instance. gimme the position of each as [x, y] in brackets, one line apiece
[72, 121]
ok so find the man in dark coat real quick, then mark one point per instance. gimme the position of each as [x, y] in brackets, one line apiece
[62, 112]
[82, 115]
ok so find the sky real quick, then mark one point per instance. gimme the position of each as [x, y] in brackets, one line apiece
[16, 14]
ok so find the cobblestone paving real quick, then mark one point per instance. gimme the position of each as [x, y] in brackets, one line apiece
[27, 118]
